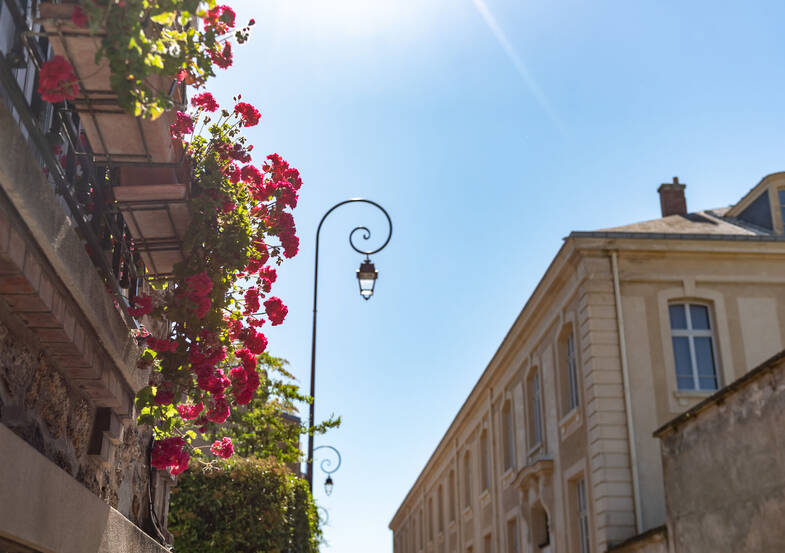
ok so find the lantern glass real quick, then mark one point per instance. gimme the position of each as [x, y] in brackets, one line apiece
[328, 485]
[366, 277]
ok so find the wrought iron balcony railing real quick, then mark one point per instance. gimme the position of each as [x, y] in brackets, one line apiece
[57, 139]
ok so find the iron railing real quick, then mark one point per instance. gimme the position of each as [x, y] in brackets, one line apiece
[56, 138]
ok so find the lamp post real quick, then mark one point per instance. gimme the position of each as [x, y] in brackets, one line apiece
[366, 278]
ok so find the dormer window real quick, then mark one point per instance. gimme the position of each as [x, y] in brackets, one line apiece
[781, 198]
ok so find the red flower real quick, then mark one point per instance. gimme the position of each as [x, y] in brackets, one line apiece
[222, 58]
[190, 412]
[227, 206]
[145, 304]
[218, 411]
[199, 284]
[247, 358]
[255, 341]
[161, 345]
[251, 301]
[249, 114]
[276, 310]
[170, 452]
[164, 394]
[251, 175]
[269, 273]
[204, 101]
[220, 18]
[57, 80]
[184, 125]
[223, 448]
[79, 17]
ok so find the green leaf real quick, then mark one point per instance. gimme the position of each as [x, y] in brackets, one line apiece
[164, 18]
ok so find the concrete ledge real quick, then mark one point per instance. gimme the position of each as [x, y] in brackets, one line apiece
[42, 507]
[42, 212]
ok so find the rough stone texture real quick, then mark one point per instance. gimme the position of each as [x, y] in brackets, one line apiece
[725, 470]
[55, 418]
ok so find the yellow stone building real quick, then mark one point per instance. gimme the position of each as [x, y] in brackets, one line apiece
[553, 450]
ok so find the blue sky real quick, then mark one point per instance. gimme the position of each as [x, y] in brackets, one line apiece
[489, 129]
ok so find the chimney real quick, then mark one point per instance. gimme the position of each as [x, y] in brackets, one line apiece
[672, 201]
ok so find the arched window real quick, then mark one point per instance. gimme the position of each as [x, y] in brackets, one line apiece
[486, 460]
[508, 435]
[467, 479]
[692, 335]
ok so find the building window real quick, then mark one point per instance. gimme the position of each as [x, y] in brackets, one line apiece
[583, 516]
[693, 346]
[430, 519]
[452, 495]
[569, 371]
[512, 536]
[487, 544]
[467, 480]
[535, 409]
[781, 196]
[422, 525]
[486, 460]
[508, 436]
[440, 507]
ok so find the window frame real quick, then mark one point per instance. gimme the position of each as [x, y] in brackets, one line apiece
[691, 334]
[485, 460]
[571, 358]
[582, 512]
[534, 401]
[508, 435]
[467, 479]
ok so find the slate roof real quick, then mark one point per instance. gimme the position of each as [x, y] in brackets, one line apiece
[711, 224]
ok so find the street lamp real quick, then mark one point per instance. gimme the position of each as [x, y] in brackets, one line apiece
[328, 485]
[366, 277]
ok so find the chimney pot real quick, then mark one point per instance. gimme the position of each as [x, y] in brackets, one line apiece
[672, 200]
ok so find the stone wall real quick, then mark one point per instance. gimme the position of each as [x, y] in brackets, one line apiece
[38, 404]
[724, 465]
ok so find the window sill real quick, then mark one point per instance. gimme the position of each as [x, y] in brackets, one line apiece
[451, 525]
[485, 498]
[467, 513]
[685, 398]
[508, 477]
[570, 422]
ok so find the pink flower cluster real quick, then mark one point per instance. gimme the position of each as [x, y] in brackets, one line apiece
[170, 453]
[57, 80]
[182, 126]
[223, 448]
[276, 310]
[198, 288]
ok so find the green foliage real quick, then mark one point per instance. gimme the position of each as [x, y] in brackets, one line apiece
[265, 427]
[246, 506]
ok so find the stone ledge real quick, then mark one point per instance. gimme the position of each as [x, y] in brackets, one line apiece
[45, 509]
[34, 293]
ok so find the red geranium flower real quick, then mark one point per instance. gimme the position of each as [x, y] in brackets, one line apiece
[57, 80]
[79, 17]
[204, 101]
[223, 448]
[184, 125]
[276, 310]
[222, 58]
[249, 114]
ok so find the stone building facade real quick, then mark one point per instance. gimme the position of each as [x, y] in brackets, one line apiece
[74, 474]
[553, 450]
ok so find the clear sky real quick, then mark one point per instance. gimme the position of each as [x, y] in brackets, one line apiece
[489, 129]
